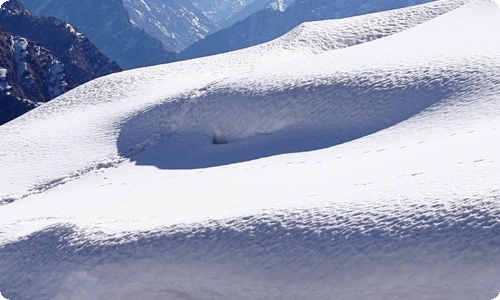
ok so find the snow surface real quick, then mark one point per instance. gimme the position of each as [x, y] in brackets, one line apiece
[4, 85]
[32, 168]
[350, 167]
[57, 84]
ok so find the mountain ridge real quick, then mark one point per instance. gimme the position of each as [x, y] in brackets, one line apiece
[107, 25]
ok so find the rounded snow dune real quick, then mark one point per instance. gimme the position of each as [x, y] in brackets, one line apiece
[309, 104]
[315, 102]
[77, 132]
[218, 201]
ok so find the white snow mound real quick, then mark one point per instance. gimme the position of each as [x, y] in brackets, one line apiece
[354, 165]
[90, 143]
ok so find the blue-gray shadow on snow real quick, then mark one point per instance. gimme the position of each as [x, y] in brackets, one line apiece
[222, 125]
[449, 241]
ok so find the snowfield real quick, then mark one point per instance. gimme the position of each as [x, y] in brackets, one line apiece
[349, 159]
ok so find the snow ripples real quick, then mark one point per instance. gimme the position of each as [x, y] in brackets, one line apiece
[90, 117]
[440, 245]
[248, 118]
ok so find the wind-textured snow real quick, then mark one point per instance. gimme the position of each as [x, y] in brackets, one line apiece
[347, 168]
[130, 92]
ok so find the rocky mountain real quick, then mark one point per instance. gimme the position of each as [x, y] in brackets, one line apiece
[272, 22]
[29, 74]
[176, 23]
[82, 59]
[107, 25]
[41, 58]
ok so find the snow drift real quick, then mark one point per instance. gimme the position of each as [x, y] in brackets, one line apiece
[192, 180]
[98, 117]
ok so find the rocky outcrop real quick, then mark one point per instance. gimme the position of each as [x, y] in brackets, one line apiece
[29, 74]
[42, 58]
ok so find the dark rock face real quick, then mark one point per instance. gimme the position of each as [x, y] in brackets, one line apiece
[29, 74]
[107, 25]
[42, 58]
[273, 22]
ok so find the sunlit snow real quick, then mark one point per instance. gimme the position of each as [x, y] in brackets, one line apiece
[348, 159]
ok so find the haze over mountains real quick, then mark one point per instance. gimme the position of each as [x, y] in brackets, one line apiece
[354, 157]
[107, 25]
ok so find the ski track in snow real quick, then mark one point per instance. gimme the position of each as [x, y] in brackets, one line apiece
[218, 201]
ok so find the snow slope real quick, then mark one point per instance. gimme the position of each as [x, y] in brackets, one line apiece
[31, 166]
[346, 169]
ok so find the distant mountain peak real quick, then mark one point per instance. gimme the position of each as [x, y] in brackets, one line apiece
[176, 23]
[16, 8]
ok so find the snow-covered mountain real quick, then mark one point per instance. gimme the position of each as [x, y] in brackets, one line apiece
[176, 23]
[42, 58]
[272, 22]
[225, 13]
[107, 25]
[356, 158]
[252, 8]
[219, 10]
